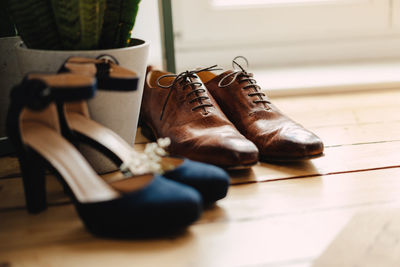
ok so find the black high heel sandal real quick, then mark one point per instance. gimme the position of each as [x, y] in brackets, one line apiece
[151, 206]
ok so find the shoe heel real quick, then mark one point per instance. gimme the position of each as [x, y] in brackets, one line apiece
[33, 176]
[146, 131]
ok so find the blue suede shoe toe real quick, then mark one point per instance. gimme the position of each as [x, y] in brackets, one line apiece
[162, 207]
[211, 181]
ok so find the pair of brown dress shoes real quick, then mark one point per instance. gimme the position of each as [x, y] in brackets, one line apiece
[221, 119]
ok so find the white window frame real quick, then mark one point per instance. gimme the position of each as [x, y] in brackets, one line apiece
[378, 38]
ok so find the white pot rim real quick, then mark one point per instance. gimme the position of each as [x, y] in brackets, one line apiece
[10, 37]
[22, 46]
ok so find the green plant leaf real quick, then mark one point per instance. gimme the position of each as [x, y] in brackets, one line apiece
[79, 22]
[91, 17]
[110, 31]
[119, 19]
[35, 23]
[7, 27]
[128, 18]
[66, 13]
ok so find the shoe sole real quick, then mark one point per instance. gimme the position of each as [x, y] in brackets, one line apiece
[238, 167]
[280, 160]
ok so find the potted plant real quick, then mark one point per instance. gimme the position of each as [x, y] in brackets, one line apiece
[53, 30]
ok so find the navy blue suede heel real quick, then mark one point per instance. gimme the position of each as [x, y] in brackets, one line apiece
[152, 205]
[211, 181]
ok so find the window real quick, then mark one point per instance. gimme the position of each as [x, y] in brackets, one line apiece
[285, 32]
[233, 3]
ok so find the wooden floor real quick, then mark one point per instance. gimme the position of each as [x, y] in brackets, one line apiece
[274, 215]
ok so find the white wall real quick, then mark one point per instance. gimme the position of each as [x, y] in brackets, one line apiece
[147, 27]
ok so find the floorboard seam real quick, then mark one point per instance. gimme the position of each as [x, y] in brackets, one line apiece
[315, 175]
[9, 209]
[280, 263]
[301, 212]
[351, 124]
[364, 143]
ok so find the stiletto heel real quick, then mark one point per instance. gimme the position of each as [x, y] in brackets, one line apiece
[33, 176]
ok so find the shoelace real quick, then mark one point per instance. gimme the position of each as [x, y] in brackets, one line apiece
[184, 77]
[243, 76]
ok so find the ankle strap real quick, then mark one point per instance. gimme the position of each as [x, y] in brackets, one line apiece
[108, 83]
[105, 81]
[37, 94]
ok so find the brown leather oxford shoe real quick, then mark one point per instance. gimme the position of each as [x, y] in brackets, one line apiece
[179, 107]
[277, 137]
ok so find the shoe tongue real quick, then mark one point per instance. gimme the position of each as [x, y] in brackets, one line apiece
[225, 73]
[166, 81]
[152, 78]
[207, 76]
[226, 77]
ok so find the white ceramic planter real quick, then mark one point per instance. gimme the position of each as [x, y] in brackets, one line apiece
[118, 111]
[9, 76]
